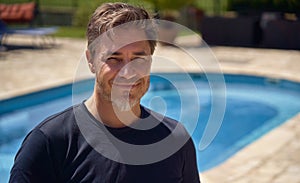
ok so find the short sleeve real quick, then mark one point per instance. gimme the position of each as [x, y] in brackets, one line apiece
[33, 162]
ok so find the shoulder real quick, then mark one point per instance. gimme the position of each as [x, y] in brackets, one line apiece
[58, 120]
[60, 116]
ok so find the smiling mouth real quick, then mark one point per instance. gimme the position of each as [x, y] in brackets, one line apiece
[126, 86]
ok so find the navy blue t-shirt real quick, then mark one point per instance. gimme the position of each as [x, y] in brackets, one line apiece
[58, 151]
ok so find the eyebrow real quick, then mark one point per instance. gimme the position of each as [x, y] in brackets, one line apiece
[139, 53]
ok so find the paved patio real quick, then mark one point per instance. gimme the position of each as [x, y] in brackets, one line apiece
[273, 158]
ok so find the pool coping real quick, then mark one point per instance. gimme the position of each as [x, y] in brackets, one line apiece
[257, 161]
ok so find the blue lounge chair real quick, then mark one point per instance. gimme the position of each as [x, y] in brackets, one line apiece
[45, 34]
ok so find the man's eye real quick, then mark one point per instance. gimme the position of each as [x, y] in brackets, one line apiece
[139, 60]
[113, 60]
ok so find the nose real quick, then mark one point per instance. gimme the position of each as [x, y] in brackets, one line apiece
[127, 71]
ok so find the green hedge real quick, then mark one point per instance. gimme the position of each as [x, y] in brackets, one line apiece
[86, 8]
[57, 3]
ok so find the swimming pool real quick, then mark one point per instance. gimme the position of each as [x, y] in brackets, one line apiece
[254, 106]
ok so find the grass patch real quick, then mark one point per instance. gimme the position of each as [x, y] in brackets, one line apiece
[70, 31]
[79, 32]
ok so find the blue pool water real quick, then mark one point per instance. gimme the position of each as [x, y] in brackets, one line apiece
[254, 106]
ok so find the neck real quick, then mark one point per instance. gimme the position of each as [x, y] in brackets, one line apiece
[104, 112]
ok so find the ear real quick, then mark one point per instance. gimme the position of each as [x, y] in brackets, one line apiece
[90, 61]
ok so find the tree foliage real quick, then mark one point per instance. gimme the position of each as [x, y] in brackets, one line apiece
[86, 8]
[170, 4]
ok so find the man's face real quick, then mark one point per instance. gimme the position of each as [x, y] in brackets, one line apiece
[122, 75]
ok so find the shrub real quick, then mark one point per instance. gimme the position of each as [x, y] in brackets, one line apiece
[84, 12]
[86, 8]
[169, 9]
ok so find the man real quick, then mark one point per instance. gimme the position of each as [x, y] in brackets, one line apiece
[110, 137]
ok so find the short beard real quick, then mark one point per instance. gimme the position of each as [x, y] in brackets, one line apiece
[123, 104]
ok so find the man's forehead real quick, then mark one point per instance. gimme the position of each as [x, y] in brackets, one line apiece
[117, 39]
[135, 48]
[128, 35]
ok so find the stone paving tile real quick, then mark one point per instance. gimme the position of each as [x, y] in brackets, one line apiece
[26, 70]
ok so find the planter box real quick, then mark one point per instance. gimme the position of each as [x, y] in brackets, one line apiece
[239, 31]
[281, 34]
